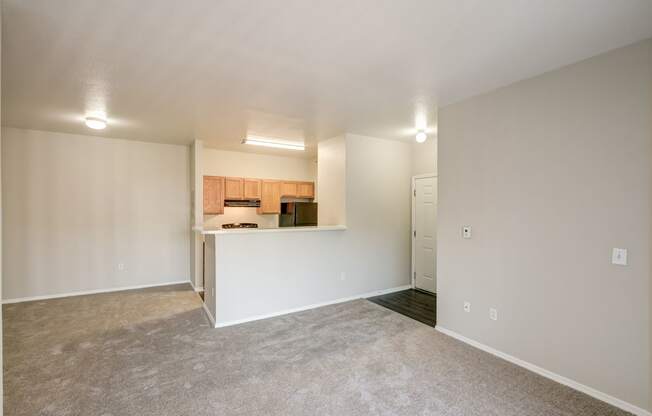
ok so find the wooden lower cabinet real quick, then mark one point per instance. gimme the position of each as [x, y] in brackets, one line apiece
[270, 197]
[213, 195]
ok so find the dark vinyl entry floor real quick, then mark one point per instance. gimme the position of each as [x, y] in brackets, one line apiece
[416, 304]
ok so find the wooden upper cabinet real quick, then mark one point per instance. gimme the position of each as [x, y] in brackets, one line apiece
[213, 195]
[270, 198]
[233, 188]
[298, 189]
[289, 188]
[306, 190]
[217, 189]
[252, 189]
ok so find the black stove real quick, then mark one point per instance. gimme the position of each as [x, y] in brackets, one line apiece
[240, 225]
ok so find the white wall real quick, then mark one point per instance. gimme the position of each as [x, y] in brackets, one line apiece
[650, 272]
[1, 278]
[424, 157]
[332, 181]
[552, 173]
[209, 270]
[77, 206]
[373, 253]
[241, 214]
[197, 198]
[378, 203]
[196, 181]
[253, 165]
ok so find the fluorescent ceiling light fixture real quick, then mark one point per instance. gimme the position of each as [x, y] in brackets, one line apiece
[96, 123]
[262, 141]
[421, 136]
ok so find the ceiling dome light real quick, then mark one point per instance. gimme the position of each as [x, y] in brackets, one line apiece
[421, 136]
[96, 123]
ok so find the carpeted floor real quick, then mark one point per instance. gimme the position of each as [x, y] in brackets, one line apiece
[152, 352]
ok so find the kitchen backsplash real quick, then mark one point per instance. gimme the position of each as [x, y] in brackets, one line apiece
[241, 214]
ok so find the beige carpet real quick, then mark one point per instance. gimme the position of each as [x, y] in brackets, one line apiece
[152, 352]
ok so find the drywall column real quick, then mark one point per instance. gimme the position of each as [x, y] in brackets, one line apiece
[197, 214]
[331, 174]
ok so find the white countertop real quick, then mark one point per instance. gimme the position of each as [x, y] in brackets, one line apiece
[270, 230]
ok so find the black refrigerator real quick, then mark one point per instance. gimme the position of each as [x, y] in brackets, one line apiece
[298, 214]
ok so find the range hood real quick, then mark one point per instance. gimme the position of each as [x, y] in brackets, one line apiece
[253, 203]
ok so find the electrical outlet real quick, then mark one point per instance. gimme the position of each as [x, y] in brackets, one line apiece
[619, 256]
[121, 266]
[466, 232]
[342, 276]
[493, 314]
[467, 306]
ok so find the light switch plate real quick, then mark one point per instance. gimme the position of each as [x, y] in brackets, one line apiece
[493, 314]
[619, 256]
[466, 231]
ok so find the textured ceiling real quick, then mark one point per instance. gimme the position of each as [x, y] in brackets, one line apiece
[170, 71]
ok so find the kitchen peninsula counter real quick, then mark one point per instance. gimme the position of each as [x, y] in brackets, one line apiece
[271, 230]
[252, 273]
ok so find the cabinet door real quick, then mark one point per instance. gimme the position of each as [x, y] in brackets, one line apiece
[252, 189]
[290, 188]
[213, 195]
[306, 190]
[270, 198]
[233, 188]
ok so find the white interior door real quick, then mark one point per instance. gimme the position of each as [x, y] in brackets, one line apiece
[424, 233]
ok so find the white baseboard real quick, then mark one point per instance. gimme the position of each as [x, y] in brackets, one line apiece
[549, 374]
[313, 306]
[90, 292]
[196, 288]
[383, 292]
[209, 314]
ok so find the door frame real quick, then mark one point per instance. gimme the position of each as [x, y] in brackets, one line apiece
[413, 235]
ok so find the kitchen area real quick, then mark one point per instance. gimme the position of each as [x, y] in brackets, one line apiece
[258, 203]
[256, 249]
[260, 227]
